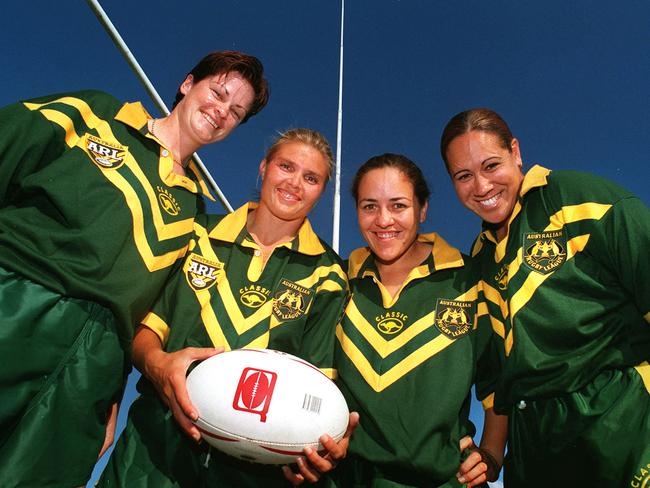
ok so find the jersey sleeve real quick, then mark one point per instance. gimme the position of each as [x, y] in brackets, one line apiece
[325, 312]
[27, 142]
[161, 316]
[626, 233]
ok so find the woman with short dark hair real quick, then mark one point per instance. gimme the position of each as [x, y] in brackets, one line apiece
[97, 202]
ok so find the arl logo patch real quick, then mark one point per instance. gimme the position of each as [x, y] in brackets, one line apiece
[201, 273]
[254, 391]
[254, 296]
[391, 322]
[544, 251]
[104, 154]
[291, 300]
[454, 318]
[168, 202]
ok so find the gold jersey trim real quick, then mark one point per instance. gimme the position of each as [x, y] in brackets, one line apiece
[384, 347]
[444, 255]
[158, 326]
[380, 382]
[644, 371]
[164, 231]
[488, 402]
[331, 373]
[231, 302]
[230, 227]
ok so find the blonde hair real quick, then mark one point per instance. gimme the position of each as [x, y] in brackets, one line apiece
[307, 136]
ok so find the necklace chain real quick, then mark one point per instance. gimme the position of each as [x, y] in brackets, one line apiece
[153, 133]
[153, 128]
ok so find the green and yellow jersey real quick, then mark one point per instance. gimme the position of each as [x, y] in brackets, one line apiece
[223, 295]
[567, 289]
[89, 205]
[292, 303]
[568, 294]
[407, 364]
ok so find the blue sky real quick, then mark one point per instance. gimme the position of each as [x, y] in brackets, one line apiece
[571, 78]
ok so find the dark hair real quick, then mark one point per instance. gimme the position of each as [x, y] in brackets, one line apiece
[402, 164]
[248, 66]
[482, 119]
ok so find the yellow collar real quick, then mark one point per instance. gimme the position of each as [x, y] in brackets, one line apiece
[445, 256]
[232, 228]
[536, 177]
[135, 115]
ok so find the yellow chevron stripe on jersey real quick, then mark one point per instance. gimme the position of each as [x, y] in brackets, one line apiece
[152, 262]
[383, 347]
[322, 271]
[534, 281]
[568, 214]
[644, 371]
[575, 213]
[164, 231]
[240, 323]
[492, 295]
[329, 285]
[260, 342]
[481, 309]
[380, 382]
[71, 136]
[498, 327]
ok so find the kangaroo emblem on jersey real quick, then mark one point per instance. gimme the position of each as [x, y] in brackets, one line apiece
[544, 251]
[167, 201]
[109, 155]
[201, 273]
[253, 296]
[291, 300]
[391, 322]
[454, 318]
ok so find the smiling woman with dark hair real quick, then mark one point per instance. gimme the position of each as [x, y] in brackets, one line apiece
[411, 344]
[97, 201]
[564, 263]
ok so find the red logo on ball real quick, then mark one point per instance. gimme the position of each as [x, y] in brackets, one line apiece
[254, 391]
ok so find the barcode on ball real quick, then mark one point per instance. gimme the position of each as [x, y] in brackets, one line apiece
[311, 403]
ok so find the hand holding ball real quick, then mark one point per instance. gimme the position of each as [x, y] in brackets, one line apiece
[265, 406]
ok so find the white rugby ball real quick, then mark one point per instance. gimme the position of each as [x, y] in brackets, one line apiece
[265, 406]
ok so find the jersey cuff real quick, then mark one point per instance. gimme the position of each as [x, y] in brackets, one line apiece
[331, 373]
[157, 326]
[488, 402]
